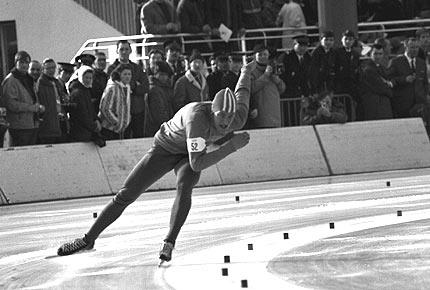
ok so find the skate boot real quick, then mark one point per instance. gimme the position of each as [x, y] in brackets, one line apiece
[166, 252]
[75, 246]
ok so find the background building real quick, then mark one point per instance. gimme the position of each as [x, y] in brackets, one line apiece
[58, 28]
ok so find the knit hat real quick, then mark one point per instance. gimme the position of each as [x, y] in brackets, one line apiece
[224, 101]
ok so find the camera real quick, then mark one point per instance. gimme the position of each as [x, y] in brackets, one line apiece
[279, 68]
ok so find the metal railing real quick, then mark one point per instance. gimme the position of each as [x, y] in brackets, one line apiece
[142, 44]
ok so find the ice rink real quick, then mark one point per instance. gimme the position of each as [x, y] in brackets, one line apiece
[344, 232]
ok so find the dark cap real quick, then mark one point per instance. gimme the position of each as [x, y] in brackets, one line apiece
[327, 33]
[348, 33]
[85, 59]
[172, 45]
[259, 47]
[301, 39]
[22, 55]
[67, 67]
[196, 55]
[163, 67]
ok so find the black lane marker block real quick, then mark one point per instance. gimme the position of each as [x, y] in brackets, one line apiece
[244, 283]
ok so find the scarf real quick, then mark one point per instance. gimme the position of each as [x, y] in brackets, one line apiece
[27, 81]
[189, 75]
[81, 71]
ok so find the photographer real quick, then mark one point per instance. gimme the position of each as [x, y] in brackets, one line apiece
[322, 109]
[266, 88]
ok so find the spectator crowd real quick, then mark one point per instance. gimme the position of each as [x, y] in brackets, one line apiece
[52, 102]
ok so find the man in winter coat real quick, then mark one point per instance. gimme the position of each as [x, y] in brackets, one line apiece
[375, 87]
[191, 87]
[21, 102]
[266, 88]
[158, 104]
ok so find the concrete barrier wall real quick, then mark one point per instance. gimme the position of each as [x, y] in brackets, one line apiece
[375, 146]
[48, 173]
[275, 154]
[40, 173]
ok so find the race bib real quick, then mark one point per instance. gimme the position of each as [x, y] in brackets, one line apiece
[196, 144]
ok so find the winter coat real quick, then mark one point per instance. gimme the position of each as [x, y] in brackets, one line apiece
[187, 89]
[21, 107]
[266, 98]
[158, 106]
[346, 71]
[407, 95]
[114, 110]
[296, 74]
[322, 72]
[153, 18]
[82, 116]
[139, 86]
[375, 93]
[190, 13]
[49, 93]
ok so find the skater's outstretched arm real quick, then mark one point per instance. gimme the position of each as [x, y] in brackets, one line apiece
[242, 94]
[201, 159]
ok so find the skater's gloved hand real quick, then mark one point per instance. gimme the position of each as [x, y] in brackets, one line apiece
[239, 140]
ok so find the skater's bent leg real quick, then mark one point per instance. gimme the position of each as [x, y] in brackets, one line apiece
[149, 169]
[186, 180]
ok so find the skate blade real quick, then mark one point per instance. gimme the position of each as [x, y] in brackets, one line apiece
[163, 264]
